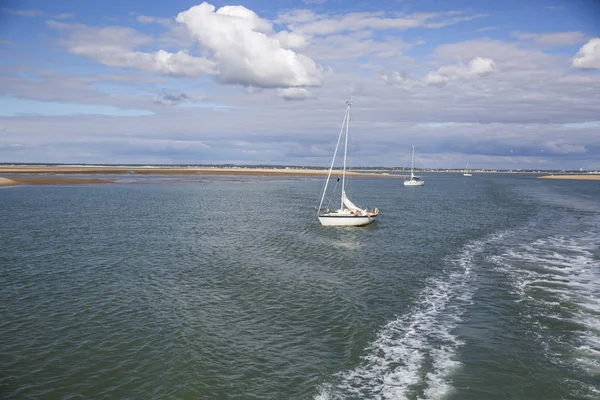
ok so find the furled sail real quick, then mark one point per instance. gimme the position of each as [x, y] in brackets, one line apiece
[348, 204]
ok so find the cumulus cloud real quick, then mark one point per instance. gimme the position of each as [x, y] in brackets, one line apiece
[114, 46]
[479, 66]
[246, 49]
[293, 93]
[400, 80]
[588, 56]
[238, 46]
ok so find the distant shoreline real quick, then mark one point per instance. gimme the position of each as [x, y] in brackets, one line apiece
[101, 170]
[47, 175]
[578, 177]
[230, 170]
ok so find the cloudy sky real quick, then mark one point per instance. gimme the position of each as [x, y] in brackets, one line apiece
[501, 83]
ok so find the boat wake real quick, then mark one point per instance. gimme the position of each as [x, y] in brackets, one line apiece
[558, 280]
[415, 355]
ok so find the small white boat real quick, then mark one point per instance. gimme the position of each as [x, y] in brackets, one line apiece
[348, 214]
[414, 180]
[466, 171]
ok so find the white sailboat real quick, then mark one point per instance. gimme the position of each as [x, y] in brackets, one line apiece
[466, 171]
[348, 214]
[414, 180]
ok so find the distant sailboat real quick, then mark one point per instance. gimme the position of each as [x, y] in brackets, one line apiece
[466, 171]
[348, 214]
[414, 180]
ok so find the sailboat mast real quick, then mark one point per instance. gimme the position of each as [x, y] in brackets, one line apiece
[332, 163]
[412, 163]
[345, 153]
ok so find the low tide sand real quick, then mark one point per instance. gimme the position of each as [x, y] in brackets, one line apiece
[590, 177]
[51, 181]
[183, 171]
[8, 182]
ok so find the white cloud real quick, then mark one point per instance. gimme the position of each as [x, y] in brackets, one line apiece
[478, 66]
[551, 39]
[510, 55]
[342, 49]
[311, 23]
[247, 51]
[588, 57]
[436, 79]
[113, 46]
[144, 19]
[290, 40]
[401, 80]
[22, 13]
[293, 93]
[481, 66]
[64, 16]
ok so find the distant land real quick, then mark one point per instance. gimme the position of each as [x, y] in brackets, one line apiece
[49, 174]
[133, 166]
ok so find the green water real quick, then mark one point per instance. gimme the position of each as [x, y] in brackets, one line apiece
[227, 287]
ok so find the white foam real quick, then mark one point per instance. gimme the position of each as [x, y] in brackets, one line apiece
[559, 277]
[415, 354]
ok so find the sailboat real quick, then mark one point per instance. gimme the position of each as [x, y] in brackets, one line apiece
[414, 180]
[348, 214]
[466, 171]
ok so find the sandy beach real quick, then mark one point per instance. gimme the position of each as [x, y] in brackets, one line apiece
[51, 181]
[8, 182]
[589, 177]
[110, 170]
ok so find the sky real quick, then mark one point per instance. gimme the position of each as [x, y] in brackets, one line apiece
[507, 84]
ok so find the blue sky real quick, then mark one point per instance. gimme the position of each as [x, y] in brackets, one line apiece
[503, 84]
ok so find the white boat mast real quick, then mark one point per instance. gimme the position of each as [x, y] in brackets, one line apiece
[349, 103]
[333, 160]
[412, 164]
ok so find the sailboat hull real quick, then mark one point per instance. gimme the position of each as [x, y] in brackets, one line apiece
[349, 220]
[413, 183]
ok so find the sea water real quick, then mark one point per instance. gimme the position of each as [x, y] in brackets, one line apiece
[485, 287]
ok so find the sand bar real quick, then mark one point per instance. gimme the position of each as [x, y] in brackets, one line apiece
[52, 181]
[590, 177]
[184, 171]
[8, 182]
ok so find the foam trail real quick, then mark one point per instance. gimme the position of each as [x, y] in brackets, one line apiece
[414, 355]
[560, 279]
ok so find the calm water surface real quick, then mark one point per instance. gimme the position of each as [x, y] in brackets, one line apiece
[227, 287]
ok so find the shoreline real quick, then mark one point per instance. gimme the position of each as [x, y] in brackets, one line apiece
[185, 171]
[578, 177]
[52, 181]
